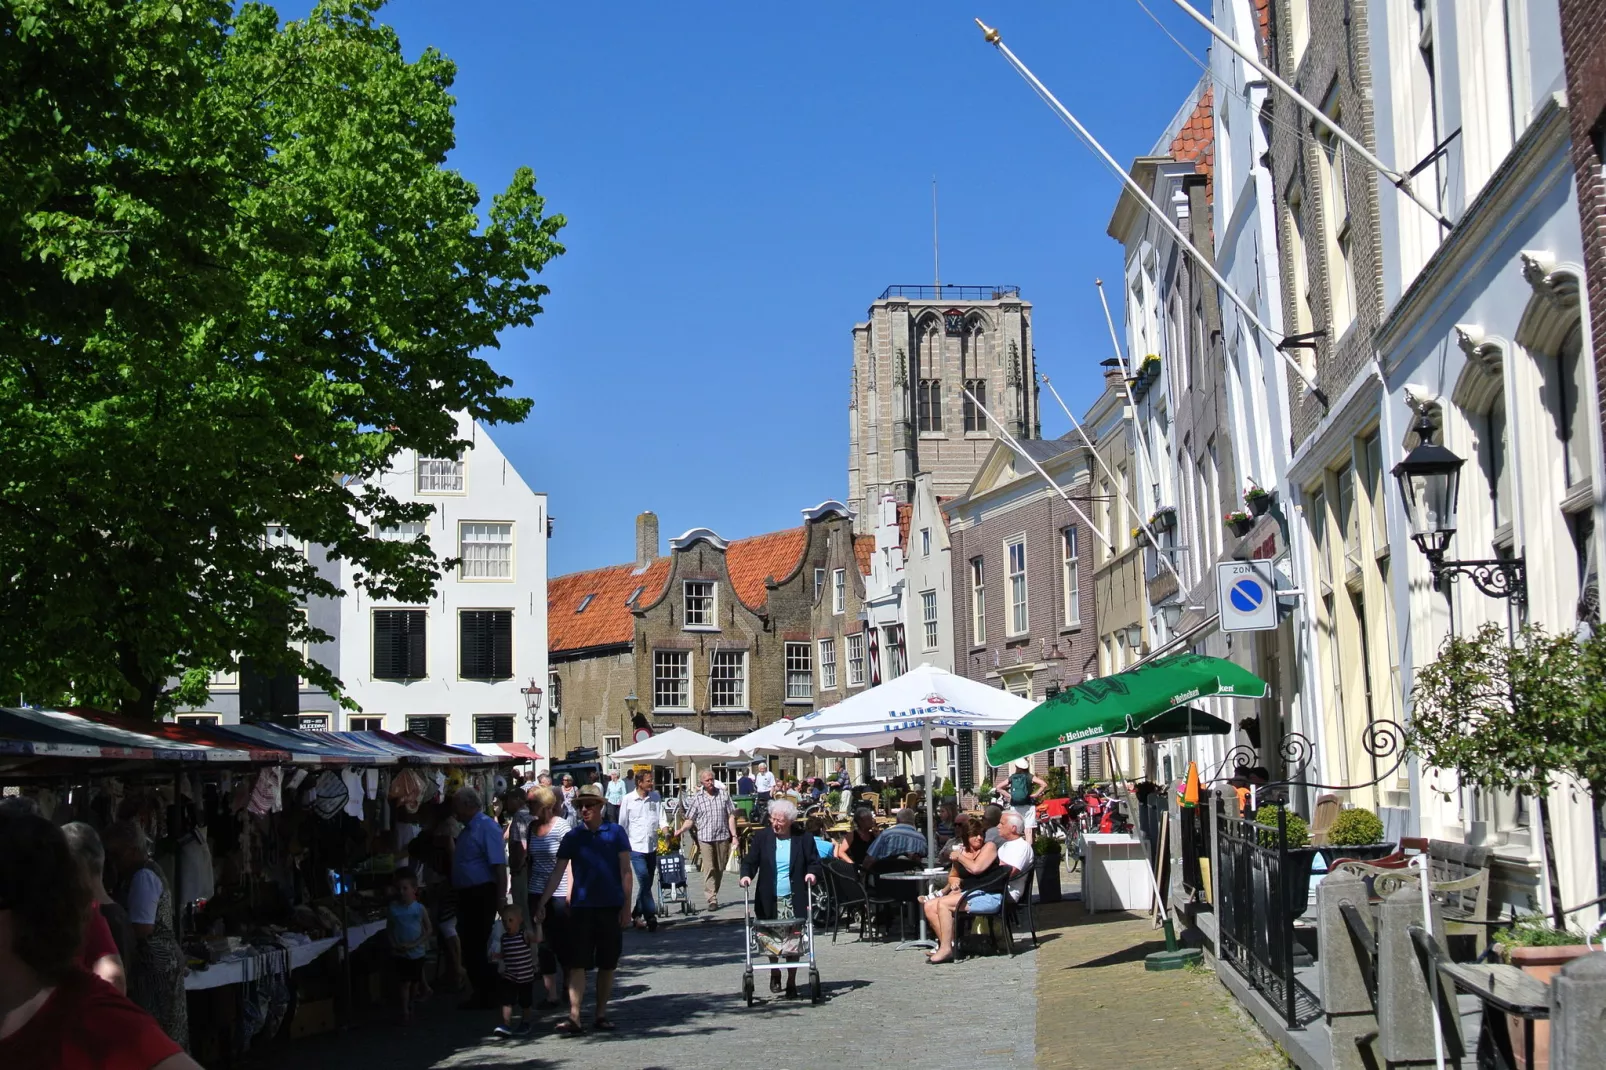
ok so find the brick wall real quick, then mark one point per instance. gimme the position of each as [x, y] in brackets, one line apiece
[1584, 50]
[1337, 55]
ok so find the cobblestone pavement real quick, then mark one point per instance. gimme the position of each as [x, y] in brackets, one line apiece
[678, 1004]
[1098, 1007]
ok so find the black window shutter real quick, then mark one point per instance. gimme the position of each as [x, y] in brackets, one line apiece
[486, 648]
[386, 628]
[471, 646]
[399, 651]
[416, 660]
[493, 730]
[501, 646]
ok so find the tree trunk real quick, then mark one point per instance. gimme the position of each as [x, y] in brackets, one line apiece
[1548, 846]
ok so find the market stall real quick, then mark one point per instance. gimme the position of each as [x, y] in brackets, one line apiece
[278, 847]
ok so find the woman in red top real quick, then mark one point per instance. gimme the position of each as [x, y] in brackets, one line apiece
[53, 1014]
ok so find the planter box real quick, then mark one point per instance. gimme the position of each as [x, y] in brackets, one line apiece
[1542, 963]
[1240, 528]
[1260, 505]
[1048, 877]
[1163, 521]
[1364, 852]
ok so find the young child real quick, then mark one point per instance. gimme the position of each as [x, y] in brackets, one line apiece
[513, 952]
[409, 929]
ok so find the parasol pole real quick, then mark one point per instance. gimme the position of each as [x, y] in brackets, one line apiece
[928, 757]
[1159, 214]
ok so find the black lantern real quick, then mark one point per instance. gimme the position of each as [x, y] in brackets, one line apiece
[1430, 484]
[532, 705]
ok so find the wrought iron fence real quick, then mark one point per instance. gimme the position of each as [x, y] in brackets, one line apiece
[1261, 886]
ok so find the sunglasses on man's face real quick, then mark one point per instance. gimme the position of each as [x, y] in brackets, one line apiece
[583, 803]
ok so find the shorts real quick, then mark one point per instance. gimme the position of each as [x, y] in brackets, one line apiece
[448, 928]
[594, 940]
[979, 902]
[516, 993]
[408, 971]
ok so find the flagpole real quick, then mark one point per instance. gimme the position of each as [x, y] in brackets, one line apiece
[1159, 214]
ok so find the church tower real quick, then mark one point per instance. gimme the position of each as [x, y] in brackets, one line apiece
[913, 360]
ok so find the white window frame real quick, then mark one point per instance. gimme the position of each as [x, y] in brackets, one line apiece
[659, 660]
[716, 669]
[978, 601]
[819, 582]
[199, 719]
[827, 664]
[357, 722]
[928, 619]
[1016, 588]
[925, 542]
[711, 621]
[407, 531]
[839, 591]
[429, 473]
[609, 745]
[799, 668]
[554, 692]
[856, 659]
[1070, 574]
[463, 527]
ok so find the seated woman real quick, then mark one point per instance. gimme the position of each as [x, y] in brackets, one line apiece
[974, 861]
[854, 849]
[822, 839]
[782, 864]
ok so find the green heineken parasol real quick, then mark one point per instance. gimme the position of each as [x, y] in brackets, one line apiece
[1125, 702]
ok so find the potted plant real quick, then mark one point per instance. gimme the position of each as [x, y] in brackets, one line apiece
[1539, 949]
[1140, 537]
[1150, 368]
[1164, 518]
[1048, 853]
[1355, 833]
[1300, 855]
[1239, 522]
[1258, 499]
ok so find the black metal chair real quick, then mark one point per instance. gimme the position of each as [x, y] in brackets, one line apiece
[996, 882]
[850, 893]
[1021, 912]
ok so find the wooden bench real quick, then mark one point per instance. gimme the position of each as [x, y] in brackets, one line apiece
[1503, 990]
[1458, 878]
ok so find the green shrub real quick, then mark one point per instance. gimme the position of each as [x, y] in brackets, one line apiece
[833, 799]
[1298, 831]
[1535, 930]
[1355, 828]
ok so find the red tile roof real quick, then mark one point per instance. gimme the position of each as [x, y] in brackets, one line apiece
[864, 550]
[750, 561]
[1196, 141]
[906, 513]
[607, 620]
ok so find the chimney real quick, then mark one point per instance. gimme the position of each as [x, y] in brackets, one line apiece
[646, 538]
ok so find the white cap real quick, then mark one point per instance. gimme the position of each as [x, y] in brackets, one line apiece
[1022, 764]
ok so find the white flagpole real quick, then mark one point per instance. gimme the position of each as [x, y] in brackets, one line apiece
[1401, 182]
[1029, 460]
[1155, 210]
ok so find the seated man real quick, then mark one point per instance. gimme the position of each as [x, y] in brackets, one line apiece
[902, 840]
[976, 864]
[989, 821]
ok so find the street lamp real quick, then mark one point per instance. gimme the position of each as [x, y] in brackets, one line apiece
[1430, 483]
[532, 704]
[1134, 635]
[631, 702]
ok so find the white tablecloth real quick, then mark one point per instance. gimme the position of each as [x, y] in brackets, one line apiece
[251, 966]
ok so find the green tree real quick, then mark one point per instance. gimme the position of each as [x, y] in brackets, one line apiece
[239, 281]
[1515, 714]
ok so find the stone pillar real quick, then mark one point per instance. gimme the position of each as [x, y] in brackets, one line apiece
[1578, 1012]
[1404, 1001]
[1351, 1018]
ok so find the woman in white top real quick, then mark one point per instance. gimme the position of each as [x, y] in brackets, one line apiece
[547, 830]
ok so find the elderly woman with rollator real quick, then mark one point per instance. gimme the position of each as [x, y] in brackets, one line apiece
[783, 862]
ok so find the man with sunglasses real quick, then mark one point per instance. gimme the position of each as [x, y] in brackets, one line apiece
[598, 854]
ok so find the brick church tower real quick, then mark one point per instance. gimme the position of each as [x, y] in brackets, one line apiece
[921, 348]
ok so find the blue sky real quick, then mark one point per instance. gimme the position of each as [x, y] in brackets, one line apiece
[741, 181]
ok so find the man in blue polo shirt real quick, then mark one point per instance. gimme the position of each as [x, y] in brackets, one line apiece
[598, 853]
[479, 879]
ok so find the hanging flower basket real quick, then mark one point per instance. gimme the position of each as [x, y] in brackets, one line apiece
[1259, 500]
[1164, 519]
[1239, 523]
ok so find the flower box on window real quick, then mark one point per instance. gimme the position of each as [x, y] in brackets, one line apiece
[1164, 519]
[1259, 500]
[1239, 522]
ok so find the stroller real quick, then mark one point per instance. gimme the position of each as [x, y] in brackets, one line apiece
[792, 936]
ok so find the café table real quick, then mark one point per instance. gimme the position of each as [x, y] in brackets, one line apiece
[931, 877]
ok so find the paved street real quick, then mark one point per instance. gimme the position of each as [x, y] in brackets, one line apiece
[678, 1004]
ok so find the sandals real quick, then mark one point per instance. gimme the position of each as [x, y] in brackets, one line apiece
[569, 1028]
[604, 1025]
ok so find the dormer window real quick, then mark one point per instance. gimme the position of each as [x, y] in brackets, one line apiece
[634, 595]
[586, 601]
[699, 604]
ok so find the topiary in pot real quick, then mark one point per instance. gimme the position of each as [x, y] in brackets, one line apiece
[1266, 817]
[1355, 827]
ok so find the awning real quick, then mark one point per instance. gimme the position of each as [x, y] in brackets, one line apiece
[435, 753]
[305, 748]
[181, 732]
[55, 733]
[518, 751]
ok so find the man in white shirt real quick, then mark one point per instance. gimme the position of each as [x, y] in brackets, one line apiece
[640, 815]
[763, 785]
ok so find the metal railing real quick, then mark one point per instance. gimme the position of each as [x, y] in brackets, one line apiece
[1260, 890]
[951, 293]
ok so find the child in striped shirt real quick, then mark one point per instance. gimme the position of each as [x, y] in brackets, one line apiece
[513, 953]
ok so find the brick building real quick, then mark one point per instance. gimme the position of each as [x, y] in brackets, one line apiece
[718, 636]
[914, 358]
[1022, 579]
